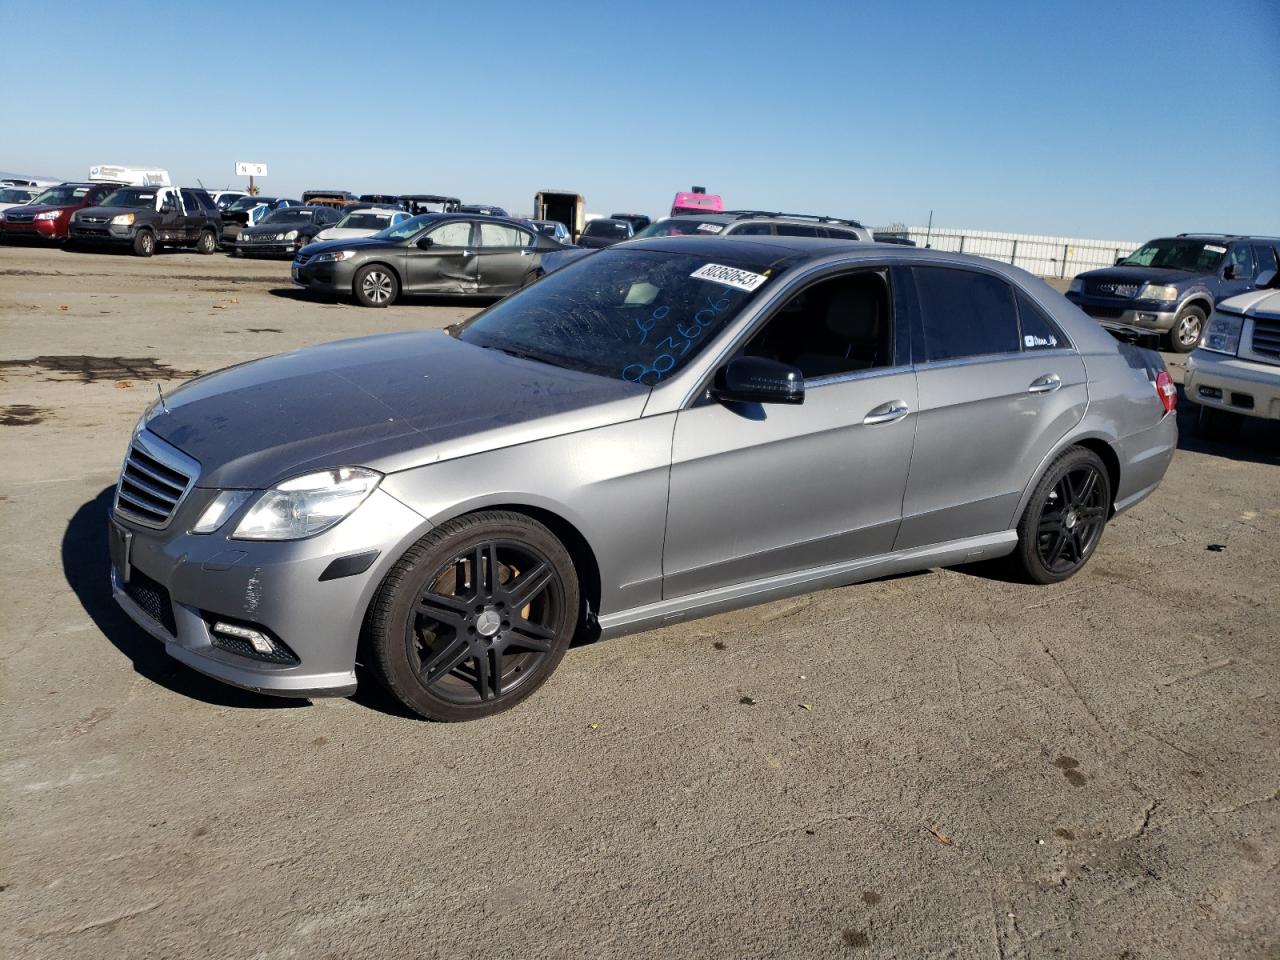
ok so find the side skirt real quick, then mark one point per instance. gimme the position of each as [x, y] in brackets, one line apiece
[709, 602]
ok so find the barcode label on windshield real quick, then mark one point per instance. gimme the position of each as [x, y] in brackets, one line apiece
[729, 276]
[710, 227]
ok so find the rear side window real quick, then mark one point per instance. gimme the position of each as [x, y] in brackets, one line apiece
[1266, 258]
[752, 230]
[1038, 331]
[965, 314]
[795, 230]
[1241, 260]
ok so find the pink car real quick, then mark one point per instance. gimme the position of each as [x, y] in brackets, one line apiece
[696, 201]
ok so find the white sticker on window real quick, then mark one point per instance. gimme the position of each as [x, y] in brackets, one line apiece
[729, 276]
[710, 227]
[1210, 247]
[1031, 342]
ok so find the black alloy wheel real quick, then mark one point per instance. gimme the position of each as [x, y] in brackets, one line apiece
[474, 617]
[1064, 521]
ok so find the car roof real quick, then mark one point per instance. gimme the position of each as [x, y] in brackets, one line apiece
[387, 210]
[746, 216]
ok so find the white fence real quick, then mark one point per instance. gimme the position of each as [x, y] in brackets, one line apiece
[1061, 257]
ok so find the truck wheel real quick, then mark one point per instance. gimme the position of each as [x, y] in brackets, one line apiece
[1185, 333]
[1222, 426]
[375, 286]
[144, 243]
[207, 242]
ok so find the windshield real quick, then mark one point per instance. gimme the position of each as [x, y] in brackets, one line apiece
[62, 196]
[288, 215]
[605, 228]
[130, 197]
[1180, 253]
[630, 314]
[549, 229]
[15, 195]
[365, 221]
[404, 230]
[684, 227]
[248, 203]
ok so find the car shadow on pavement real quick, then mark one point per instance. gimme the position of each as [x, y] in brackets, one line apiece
[410, 299]
[86, 569]
[1257, 442]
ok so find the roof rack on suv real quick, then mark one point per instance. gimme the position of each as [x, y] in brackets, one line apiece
[1201, 233]
[749, 214]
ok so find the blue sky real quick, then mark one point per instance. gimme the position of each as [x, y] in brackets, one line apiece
[1095, 120]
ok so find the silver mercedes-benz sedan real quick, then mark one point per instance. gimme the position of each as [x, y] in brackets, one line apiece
[666, 429]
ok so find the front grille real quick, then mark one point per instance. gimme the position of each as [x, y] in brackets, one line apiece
[14, 217]
[1109, 288]
[87, 219]
[152, 598]
[262, 237]
[1266, 338]
[154, 480]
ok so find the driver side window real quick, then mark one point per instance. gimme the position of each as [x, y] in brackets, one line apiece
[456, 233]
[839, 325]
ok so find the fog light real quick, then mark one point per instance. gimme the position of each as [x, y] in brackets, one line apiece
[1147, 317]
[1213, 393]
[260, 641]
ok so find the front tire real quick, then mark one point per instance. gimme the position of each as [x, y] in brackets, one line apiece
[474, 617]
[1065, 518]
[375, 286]
[207, 243]
[144, 243]
[1187, 327]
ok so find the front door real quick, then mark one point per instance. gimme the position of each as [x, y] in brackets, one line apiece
[759, 490]
[1238, 263]
[447, 265]
[172, 218]
[999, 388]
[506, 255]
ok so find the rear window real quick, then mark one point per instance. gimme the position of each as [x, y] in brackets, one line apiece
[965, 314]
[682, 228]
[605, 228]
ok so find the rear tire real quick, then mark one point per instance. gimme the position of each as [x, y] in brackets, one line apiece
[474, 617]
[1064, 519]
[375, 286]
[207, 243]
[144, 243]
[1186, 330]
[1221, 426]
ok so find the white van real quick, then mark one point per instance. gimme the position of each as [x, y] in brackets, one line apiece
[130, 176]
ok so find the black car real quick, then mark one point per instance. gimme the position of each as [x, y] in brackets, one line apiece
[605, 232]
[285, 231]
[146, 218]
[238, 214]
[638, 221]
[488, 209]
[439, 253]
[1172, 284]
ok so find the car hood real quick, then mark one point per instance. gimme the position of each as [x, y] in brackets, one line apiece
[343, 233]
[389, 402]
[1142, 275]
[1255, 303]
[278, 227]
[43, 207]
[113, 211]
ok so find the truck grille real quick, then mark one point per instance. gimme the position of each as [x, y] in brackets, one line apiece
[154, 480]
[1109, 288]
[1266, 338]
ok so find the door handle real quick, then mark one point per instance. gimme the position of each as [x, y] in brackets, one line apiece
[887, 412]
[1046, 384]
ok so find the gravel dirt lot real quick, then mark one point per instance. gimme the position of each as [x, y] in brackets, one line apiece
[939, 765]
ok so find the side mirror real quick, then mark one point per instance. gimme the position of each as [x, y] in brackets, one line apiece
[757, 380]
[1119, 260]
[425, 243]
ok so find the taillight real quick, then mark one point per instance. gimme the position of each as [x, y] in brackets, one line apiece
[1167, 391]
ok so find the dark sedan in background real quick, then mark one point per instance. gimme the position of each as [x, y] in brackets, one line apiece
[605, 232]
[285, 231]
[438, 253]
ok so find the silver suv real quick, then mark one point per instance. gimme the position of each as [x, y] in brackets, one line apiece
[758, 223]
[664, 430]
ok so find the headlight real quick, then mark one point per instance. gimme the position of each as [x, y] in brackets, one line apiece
[1156, 291]
[222, 506]
[48, 215]
[307, 505]
[123, 220]
[1077, 285]
[291, 235]
[333, 255]
[1222, 333]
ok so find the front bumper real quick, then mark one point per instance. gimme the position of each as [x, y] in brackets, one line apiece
[108, 233]
[1148, 314]
[49, 230]
[180, 584]
[282, 248]
[1247, 387]
[328, 277]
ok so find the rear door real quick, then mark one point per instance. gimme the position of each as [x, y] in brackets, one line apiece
[194, 215]
[506, 257]
[1000, 385]
[448, 265]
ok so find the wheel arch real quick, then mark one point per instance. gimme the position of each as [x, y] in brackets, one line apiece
[1099, 444]
[379, 263]
[1199, 298]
